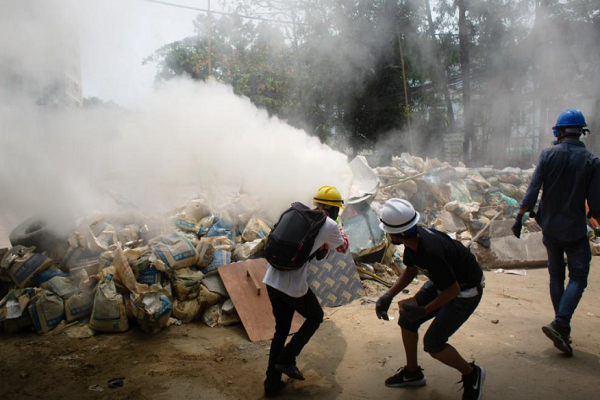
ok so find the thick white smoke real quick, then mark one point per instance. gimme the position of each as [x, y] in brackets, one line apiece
[186, 138]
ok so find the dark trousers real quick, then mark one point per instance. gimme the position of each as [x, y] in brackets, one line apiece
[447, 319]
[284, 307]
[565, 300]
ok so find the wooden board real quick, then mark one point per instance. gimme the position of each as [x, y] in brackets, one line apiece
[244, 283]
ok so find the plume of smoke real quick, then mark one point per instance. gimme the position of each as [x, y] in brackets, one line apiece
[186, 136]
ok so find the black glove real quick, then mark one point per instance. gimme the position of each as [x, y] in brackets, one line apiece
[518, 225]
[413, 313]
[382, 306]
[321, 253]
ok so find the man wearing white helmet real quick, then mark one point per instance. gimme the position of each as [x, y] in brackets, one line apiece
[450, 296]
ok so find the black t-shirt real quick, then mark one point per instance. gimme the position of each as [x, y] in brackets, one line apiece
[444, 260]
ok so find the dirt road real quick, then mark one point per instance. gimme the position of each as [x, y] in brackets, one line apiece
[349, 357]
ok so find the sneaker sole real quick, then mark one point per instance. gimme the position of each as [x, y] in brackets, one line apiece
[420, 382]
[558, 341]
[482, 374]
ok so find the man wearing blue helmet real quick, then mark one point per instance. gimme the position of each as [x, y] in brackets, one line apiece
[568, 175]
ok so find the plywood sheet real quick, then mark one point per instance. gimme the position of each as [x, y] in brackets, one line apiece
[250, 298]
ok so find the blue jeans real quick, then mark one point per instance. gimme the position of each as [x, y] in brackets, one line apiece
[579, 256]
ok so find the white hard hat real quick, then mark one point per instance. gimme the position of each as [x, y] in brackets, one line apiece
[397, 216]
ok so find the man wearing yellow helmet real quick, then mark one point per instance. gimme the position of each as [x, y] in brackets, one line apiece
[289, 292]
[329, 199]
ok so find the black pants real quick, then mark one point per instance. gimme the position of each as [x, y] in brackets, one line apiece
[447, 319]
[284, 307]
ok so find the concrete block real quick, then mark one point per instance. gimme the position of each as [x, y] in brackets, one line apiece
[500, 228]
[509, 252]
[452, 223]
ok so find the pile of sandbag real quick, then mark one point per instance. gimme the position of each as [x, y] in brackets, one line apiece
[435, 188]
[117, 270]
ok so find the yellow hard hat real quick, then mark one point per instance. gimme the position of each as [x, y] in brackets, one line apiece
[330, 196]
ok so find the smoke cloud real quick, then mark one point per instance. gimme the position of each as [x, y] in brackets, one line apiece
[185, 139]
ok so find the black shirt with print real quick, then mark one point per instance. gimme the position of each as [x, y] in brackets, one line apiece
[444, 260]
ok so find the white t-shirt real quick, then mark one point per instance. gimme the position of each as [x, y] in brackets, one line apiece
[294, 283]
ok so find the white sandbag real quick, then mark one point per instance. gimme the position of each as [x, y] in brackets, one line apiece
[509, 190]
[208, 298]
[229, 315]
[249, 250]
[461, 172]
[174, 250]
[47, 310]
[219, 242]
[196, 210]
[129, 233]
[462, 210]
[211, 315]
[206, 253]
[13, 310]
[23, 265]
[459, 191]
[186, 311]
[410, 187]
[79, 306]
[105, 260]
[187, 284]
[65, 286]
[187, 225]
[205, 224]
[479, 180]
[108, 312]
[125, 274]
[255, 229]
[152, 309]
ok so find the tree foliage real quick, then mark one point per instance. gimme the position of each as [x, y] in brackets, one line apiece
[492, 69]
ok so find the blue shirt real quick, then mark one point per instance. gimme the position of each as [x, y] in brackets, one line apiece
[568, 175]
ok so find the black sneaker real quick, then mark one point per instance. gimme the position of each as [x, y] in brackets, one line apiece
[472, 383]
[290, 370]
[560, 337]
[404, 377]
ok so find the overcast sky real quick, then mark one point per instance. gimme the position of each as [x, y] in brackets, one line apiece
[116, 35]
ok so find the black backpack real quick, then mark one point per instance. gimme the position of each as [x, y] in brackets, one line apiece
[292, 238]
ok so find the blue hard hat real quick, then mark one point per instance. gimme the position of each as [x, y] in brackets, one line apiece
[570, 117]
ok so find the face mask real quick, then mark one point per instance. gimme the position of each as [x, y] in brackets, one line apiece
[411, 233]
[332, 212]
[555, 133]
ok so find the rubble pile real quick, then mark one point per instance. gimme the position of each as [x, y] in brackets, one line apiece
[114, 270]
[472, 196]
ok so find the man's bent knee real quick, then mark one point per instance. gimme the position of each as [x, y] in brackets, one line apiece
[433, 345]
[316, 318]
[409, 325]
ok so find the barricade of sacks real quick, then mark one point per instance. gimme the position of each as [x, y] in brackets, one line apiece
[113, 272]
[472, 195]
